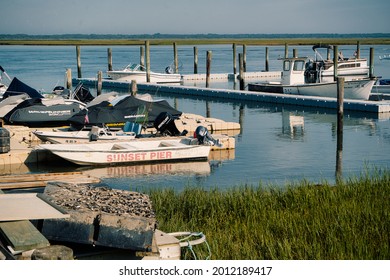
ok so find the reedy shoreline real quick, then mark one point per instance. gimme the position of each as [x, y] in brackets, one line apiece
[349, 221]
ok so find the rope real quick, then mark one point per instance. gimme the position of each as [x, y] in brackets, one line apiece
[186, 242]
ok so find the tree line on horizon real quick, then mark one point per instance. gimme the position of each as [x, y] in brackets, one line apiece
[188, 36]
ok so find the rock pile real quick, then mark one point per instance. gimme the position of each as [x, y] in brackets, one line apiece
[100, 199]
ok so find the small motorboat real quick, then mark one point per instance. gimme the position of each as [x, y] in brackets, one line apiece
[295, 81]
[137, 72]
[130, 152]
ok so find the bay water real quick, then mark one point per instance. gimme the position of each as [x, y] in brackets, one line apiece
[277, 144]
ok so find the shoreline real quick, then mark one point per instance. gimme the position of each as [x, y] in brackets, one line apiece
[192, 41]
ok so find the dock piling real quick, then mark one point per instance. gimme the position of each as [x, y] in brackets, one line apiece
[340, 124]
[69, 79]
[142, 56]
[78, 51]
[134, 87]
[109, 58]
[100, 83]
[244, 57]
[285, 50]
[208, 68]
[195, 60]
[234, 59]
[335, 61]
[175, 58]
[147, 52]
[241, 62]
[266, 59]
[371, 63]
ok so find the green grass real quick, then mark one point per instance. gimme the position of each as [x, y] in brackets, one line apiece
[300, 222]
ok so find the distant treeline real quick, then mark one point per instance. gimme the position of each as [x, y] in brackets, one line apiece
[188, 36]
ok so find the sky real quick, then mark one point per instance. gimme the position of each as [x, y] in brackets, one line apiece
[45, 17]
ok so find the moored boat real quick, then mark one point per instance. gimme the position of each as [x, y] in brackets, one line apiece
[130, 152]
[138, 73]
[348, 67]
[294, 81]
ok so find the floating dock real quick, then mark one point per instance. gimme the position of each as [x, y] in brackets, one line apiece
[369, 106]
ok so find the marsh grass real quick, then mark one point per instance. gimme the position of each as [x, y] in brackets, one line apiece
[301, 221]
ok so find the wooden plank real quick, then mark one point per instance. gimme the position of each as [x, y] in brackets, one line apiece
[19, 181]
[36, 177]
[27, 206]
[22, 235]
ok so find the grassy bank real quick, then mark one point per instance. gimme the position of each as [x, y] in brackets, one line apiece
[189, 41]
[303, 221]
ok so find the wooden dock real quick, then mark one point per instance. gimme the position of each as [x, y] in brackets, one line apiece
[376, 107]
[19, 181]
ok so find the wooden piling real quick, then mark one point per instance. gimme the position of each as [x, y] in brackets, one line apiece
[234, 59]
[195, 60]
[208, 68]
[358, 49]
[285, 50]
[371, 63]
[134, 87]
[295, 53]
[266, 59]
[244, 57]
[335, 61]
[99, 83]
[78, 51]
[241, 65]
[147, 52]
[175, 58]
[142, 56]
[69, 78]
[109, 58]
[340, 124]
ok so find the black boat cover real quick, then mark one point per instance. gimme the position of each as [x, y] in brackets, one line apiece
[129, 108]
[17, 87]
[33, 113]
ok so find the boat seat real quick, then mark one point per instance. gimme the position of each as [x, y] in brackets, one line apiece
[166, 144]
[132, 127]
[123, 146]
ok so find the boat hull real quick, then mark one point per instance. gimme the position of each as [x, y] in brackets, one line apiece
[132, 152]
[353, 89]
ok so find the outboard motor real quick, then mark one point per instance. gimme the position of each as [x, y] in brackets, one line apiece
[165, 124]
[169, 70]
[204, 137]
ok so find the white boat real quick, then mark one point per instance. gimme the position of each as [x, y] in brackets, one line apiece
[384, 57]
[3, 87]
[83, 136]
[130, 152]
[138, 73]
[295, 82]
[323, 69]
[382, 86]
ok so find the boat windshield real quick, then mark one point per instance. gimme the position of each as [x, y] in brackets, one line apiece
[299, 65]
[134, 67]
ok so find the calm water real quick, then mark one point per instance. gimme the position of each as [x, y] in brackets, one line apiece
[276, 143]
